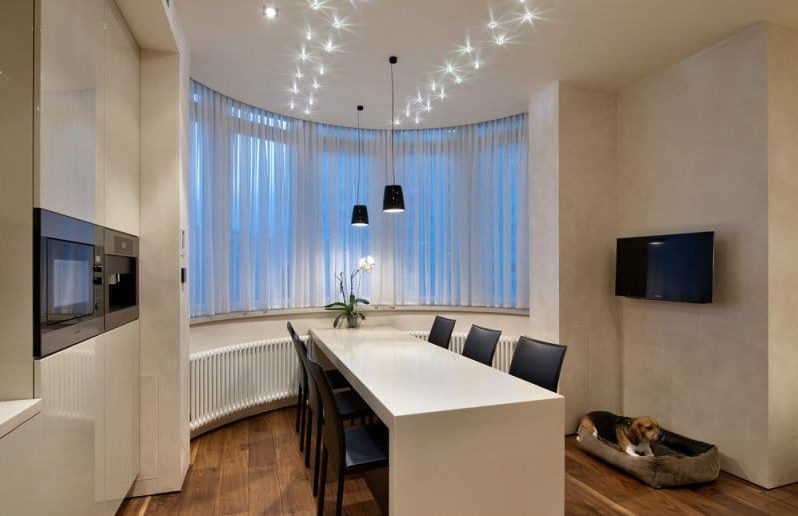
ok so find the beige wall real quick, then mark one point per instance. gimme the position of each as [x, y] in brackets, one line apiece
[693, 147]
[573, 166]
[783, 254]
[16, 198]
[224, 333]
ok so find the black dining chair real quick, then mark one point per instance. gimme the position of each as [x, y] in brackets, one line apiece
[441, 331]
[336, 378]
[351, 450]
[350, 404]
[480, 345]
[538, 362]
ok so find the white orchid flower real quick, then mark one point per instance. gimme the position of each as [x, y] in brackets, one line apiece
[366, 263]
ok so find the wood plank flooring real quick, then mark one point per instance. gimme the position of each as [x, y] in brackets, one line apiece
[254, 467]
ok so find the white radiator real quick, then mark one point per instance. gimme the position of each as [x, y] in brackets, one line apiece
[504, 350]
[234, 378]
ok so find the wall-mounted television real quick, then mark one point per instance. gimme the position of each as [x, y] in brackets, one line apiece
[666, 267]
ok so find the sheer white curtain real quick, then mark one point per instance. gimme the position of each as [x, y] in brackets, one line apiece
[271, 199]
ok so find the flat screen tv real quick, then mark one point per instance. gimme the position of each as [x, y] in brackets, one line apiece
[666, 267]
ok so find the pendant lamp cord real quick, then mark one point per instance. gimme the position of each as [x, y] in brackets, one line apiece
[359, 159]
[393, 118]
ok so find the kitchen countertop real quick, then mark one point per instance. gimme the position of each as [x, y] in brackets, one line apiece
[15, 412]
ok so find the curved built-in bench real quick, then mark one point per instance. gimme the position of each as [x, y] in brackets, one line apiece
[241, 380]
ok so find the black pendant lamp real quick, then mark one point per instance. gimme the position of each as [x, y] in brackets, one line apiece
[360, 214]
[393, 201]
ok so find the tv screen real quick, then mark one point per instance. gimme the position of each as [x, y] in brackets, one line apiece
[666, 267]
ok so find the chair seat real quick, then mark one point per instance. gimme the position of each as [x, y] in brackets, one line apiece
[337, 380]
[366, 447]
[350, 404]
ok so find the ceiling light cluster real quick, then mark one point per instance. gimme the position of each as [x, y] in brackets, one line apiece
[470, 56]
[320, 40]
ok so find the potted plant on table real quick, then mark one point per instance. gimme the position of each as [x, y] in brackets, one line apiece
[350, 300]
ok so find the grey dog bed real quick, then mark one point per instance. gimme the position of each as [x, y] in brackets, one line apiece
[677, 460]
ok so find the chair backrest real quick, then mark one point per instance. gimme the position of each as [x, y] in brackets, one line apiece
[480, 345]
[538, 362]
[333, 430]
[441, 331]
[302, 354]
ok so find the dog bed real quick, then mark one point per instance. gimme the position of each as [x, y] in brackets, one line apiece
[677, 460]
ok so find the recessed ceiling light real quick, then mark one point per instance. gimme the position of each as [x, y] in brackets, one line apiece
[529, 16]
[298, 74]
[316, 5]
[308, 34]
[492, 24]
[329, 47]
[501, 39]
[321, 69]
[307, 111]
[433, 86]
[337, 22]
[270, 12]
[476, 64]
[458, 79]
[315, 84]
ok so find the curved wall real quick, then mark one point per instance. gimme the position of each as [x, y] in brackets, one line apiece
[216, 334]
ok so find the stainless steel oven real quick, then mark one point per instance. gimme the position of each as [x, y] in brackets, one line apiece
[68, 282]
[121, 278]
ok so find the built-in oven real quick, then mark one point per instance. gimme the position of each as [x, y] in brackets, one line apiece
[68, 282]
[121, 278]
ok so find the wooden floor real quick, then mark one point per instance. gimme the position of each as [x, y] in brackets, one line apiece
[254, 467]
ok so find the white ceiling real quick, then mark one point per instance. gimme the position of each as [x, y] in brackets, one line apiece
[599, 43]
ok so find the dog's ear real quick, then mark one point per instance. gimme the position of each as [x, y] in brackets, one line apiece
[635, 432]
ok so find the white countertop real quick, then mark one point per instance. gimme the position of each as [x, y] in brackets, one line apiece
[408, 376]
[14, 413]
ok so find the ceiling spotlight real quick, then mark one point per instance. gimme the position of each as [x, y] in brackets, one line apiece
[467, 48]
[449, 68]
[304, 55]
[328, 47]
[321, 69]
[292, 105]
[458, 79]
[442, 94]
[501, 39]
[337, 22]
[397, 121]
[433, 86]
[270, 12]
[476, 64]
[315, 84]
[315, 5]
[294, 89]
[419, 98]
[492, 25]
[407, 111]
[298, 73]
[416, 119]
[307, 111]
[310, 100]
[428, 107]
[308, 35]
[529, 16]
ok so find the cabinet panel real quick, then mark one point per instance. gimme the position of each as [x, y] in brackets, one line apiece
[121, 352]
[70, 386]
[70, 179]
[20, 470]
[121, 124]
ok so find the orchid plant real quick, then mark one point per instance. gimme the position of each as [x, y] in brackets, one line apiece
[349, 295]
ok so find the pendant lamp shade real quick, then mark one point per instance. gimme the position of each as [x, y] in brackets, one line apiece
[360, 213]
[393, 201]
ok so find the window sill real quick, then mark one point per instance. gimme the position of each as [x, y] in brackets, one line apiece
[521, 312]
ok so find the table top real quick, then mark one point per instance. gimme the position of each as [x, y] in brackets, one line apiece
[403, 375]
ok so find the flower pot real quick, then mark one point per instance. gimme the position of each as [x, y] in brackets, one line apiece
[353, 321]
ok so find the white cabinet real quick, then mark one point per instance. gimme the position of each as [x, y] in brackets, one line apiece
[70, 179]
[90, 423]
[88, 122]
[121, 124]
[121, 392]
[69, 384]
[20, 465]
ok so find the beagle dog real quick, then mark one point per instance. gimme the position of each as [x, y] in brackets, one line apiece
[632, 435]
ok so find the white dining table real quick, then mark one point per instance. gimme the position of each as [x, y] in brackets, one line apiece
[464, 438]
